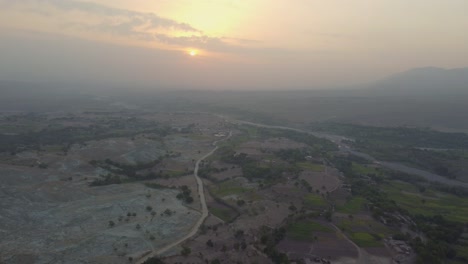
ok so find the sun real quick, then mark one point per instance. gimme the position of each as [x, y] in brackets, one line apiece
[193, 53]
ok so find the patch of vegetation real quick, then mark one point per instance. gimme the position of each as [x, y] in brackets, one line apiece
[305, 229]
[185, 194]
[429, 202]
[314, 201]
[106, 180]
[130, 172]
[270, 238]
[352, 225]
[317, 145]
[174, 173]
[293, 155]
[222, 209]
[354, 205]
[226, 188]
[156, 186]
[443, 239]
[224, 213]
[439, 152]
[66, 136]
[185, 251]
[366, 239]
[365, 169]
[269, 175]
[243, 114]
[417, 201]
[401, 136]
[311, 166]
[154, 260]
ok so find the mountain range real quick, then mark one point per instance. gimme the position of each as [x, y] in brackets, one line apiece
[424, 81]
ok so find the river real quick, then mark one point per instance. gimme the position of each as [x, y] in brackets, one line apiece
[346, 148]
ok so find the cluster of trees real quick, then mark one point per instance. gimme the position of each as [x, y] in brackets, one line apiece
[205, 172]
[402, 136]
[442, 235]
[318, 145]
[185, 194]
[235, 212]
[305, 184]
[293, 155]
[252, 171]
[187, 130]
[128, 170]
[154, 260]
[106, 180]
[410, 145]
[68, 136]
[270, 238]
[380, 205]
[35, 140]
[228, 155]
[455, 190]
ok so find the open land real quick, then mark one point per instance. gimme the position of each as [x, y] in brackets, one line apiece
[108, 186]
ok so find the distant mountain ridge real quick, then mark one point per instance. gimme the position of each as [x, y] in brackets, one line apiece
[425, 81]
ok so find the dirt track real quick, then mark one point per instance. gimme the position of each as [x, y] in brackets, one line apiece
[204, 208]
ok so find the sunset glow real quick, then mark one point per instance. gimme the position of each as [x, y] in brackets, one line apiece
[313, 44]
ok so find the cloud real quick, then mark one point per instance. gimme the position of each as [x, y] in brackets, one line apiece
[141, 26]
[107, 19]
[151, 20]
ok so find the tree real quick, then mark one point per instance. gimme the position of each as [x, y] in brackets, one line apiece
[239, 234]
[185, 251]
[210, 243]
[328, 215]
[168, 212]
[154, 260]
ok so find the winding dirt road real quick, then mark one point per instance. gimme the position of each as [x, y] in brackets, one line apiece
[204, 208]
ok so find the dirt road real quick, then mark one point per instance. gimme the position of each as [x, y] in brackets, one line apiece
[204, 208]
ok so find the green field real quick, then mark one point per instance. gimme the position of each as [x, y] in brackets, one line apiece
[353, 206]
[304, 230]
[429, 202]
[311, 166]
[224, 213]
[462, 251]
[314, 201]
[364, 232]
[175, 173]
[366, 239]
[227, 188]
[54, 148]
[252, 131]
[365, 170]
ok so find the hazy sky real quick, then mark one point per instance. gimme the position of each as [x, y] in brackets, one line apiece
[251, 44]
